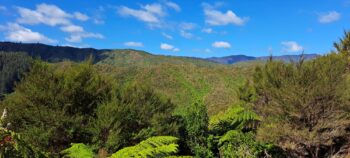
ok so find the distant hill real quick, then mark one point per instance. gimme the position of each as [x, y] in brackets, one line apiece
[52, 53]
[182, 79]
[121, 57]
[243, 58]
[231, 59]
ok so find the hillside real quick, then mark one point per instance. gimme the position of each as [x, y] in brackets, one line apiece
[182, 79]
[124, 56]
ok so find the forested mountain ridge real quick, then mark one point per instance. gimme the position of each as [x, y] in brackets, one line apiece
[124, 56]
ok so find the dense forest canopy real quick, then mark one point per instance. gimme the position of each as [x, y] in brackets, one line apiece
[78, 109]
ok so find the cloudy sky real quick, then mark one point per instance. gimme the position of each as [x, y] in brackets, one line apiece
[181, 28]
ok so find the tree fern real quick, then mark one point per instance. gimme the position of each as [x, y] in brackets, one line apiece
[236, 118]
[159, 146]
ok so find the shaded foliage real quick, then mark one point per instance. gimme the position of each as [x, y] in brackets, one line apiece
[12, 67]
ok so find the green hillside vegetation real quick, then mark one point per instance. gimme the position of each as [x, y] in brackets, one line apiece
[183, 80]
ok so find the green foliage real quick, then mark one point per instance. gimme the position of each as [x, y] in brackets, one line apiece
[159, 146]
[134, 113]
[343, 46]
[78, 150]
[51, 107]
[12, 67]
[12, 145]
[243, 145]
[303, 105]
[235, 118]
[180, 79]
[196, 127]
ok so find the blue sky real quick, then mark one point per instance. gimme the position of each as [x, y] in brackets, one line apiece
[180, 28]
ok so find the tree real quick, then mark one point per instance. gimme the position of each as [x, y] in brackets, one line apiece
[343, 46]
[303, 105]
[52, 106]
[134, 113]
[196, 129]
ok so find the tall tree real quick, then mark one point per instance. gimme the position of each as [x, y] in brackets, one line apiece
[303, 105]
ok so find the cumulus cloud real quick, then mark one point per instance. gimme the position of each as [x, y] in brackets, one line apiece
[133, 44]
[331, 16]
[72, 29]
[207, 30]
[17, 33]
[167, 36]
[291, 46]
[141, 15]
[187, 26]
[152, 14]
[221, 44]
[77, 37]
[46, 14]
[81, 16]
[173, 5]
[216, 17]
[168, 47]
[185, 34]
[52, 15]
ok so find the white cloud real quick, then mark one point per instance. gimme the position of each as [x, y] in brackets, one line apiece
[81, 16]
[221, 44]
[18, 33]
[152, 14]
[155, 9]
[173, 5]
[77, 37]
[142, 15]
[46, 14]
[329, 17]
[185, 34]
[168, 47]
[187, 26]
[133, 44]
[291, 46]
[176, 49]
[72, 29]
[54, 16]
[167, 36]
[216, 17]
[207, 30]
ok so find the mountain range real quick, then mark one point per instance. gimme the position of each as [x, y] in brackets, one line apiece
[61, 53]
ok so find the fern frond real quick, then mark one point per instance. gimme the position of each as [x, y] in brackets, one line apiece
[78, 150]
[228, 136]
[159, 146]
[236, 118]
